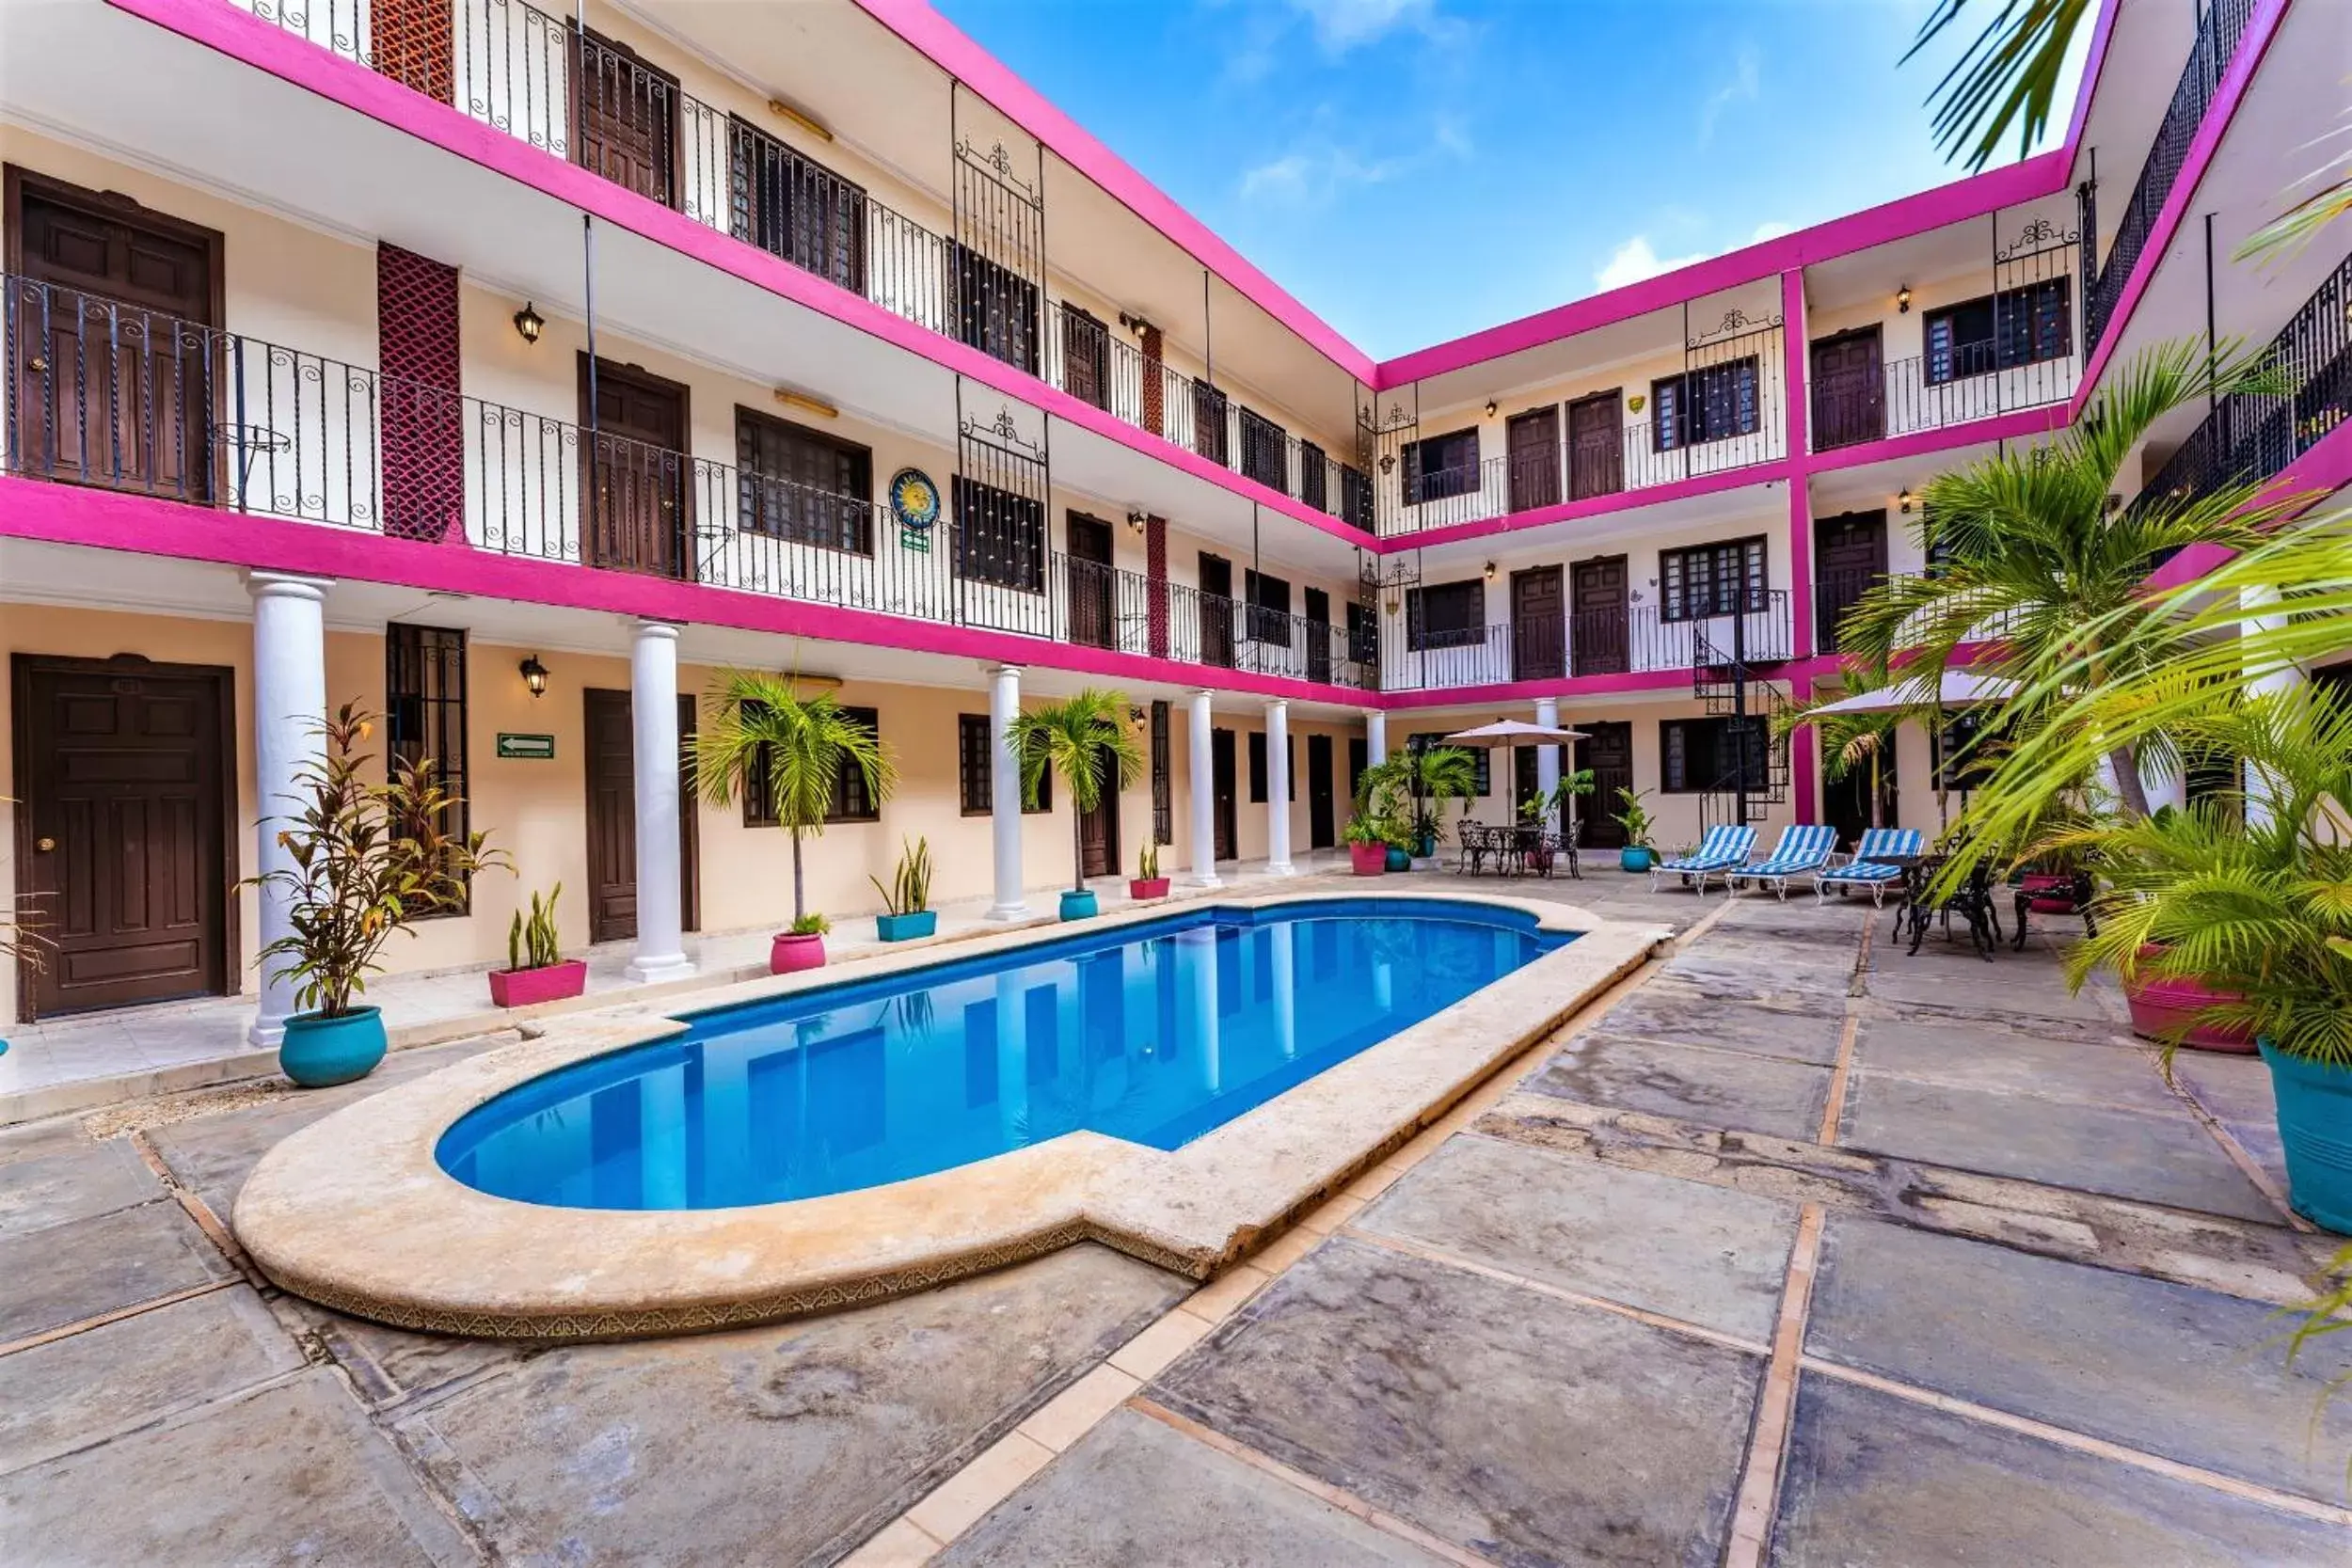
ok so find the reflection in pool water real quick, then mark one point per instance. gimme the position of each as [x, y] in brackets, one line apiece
[1153, 1032]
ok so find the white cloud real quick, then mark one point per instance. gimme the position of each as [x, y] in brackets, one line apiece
[1636, 259]
[1746, 84]
[1771, 232]
[1341, 25]
[1312, 173]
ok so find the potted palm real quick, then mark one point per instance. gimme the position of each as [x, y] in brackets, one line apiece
[762, 740]
[907, 901]
[1367, 844]
[368, 859]
[1553, 805]
[1148, 882]
[536, 970]
[1634, 818]
[1083, 740]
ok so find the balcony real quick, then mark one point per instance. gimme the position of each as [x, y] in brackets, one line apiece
[107, 395]
[1974, 381]
[2248, 439]
[1632, 460]
[2217, 34]
[549, 82]
[1638, 640]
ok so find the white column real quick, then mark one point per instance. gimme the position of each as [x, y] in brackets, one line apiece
[653, 735]
[1199, 764]
[1277, 788]
[288, 708]
[1547, 757]
[2270, 681]
[1004, 798]
[1376, 738]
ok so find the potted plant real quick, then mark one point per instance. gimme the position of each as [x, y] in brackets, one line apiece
[907, 901]
[536, 970]
[1634, 818]
[762, 741]
[368, 859]
[1554, 805]
[1148, 883]
[1084, 740]
[1367, 845]
[1413, 785]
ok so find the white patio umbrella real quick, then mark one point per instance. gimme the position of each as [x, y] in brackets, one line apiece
[1958, 688]
[1518, 732]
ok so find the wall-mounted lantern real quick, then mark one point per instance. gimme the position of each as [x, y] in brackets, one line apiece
[528, 322]
[536, 675]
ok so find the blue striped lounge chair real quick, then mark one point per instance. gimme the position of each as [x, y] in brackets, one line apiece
[1803, 850]
[1724, 849]
[1874, 864]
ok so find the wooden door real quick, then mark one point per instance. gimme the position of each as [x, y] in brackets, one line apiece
[1849, 557]
[1215, 599]
[1609, 752]
[1089, 609]
[638, 517]
[1532, 440]
[1086, 356]
[624, 118]
[1221, 789]
[1600, 637]
[1322, 810]
[1597, 445]
[124, 767]
[1318, 635]
[1849, 389]
[611, 752]
[112, 355]
[1539, 640]
[1098, 830]
[414, 42]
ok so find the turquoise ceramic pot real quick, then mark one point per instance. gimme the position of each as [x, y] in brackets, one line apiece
[319, 1052]
[1078, 906]
[1399, 859]
[2315, 1126]
[1636, 860]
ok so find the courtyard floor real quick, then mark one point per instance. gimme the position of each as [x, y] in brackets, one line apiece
[1793, 1249]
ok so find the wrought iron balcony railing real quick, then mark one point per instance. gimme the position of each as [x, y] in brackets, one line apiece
[594, 102]
[2247, 440]
[106, 394]
[2218, 31]
[1976, 381]
[1633, 459]
[1638, 640]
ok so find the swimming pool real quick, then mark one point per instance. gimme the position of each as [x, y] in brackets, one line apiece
[1152, 1032]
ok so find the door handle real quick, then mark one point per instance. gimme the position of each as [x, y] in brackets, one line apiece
[44, 845]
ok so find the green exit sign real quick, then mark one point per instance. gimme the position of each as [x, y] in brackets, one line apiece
[529, 748]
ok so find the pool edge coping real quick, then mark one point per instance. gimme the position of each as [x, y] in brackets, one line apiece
[356, 1214]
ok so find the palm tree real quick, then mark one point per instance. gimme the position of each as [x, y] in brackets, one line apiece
[763, 741]
[1853, 741]
[2008, 77]
[1428, 776]
[1081, 738]
[2034, 568]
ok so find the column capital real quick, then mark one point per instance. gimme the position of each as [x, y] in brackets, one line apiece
[1003, 669]
[1277, 704]
[287, 585]
[662, 629]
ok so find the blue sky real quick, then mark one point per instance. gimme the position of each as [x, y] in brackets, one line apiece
[1416, 169]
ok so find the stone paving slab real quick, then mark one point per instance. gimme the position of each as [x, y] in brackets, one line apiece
[1716, 1088]
[1668, 1010]
[1704, 1255]
[291, 1475]
[1931, 1049]
[1512, 1423]
[74, 1185]
[73, 1392]
[32, 1139]
[2015, 986]
[1136, 1493]
[1773, 980]
[2236, 1091]
[1873, 1480]
[778, 1443]
[86, 1268]
[2164, 1369]
[2164, 1158]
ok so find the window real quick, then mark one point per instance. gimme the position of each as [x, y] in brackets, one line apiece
[1262, 454]
[2016, 326]
[796, 209]
[1445, 616]
[1480, 754]
[1208, 423]
[1257, 767]
[1700, 755]
[798, 485]
[1363, 636]
[1268, 617]
[1356, 498]
[1711, 579]
[1358, 759]
[851, 800]
[996, 308]
[1314, 482]
[424, 715]
[1710, 403]
[1438, 466]
[975, 770]
[1000, 537]
[1163, 805]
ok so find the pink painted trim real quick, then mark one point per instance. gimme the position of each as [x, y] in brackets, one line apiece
[1804, 781]
[1527, 691]
[955, 53]
[296, 60]
[1934, 209]
[1591, 506]
[105, 519]
[2252, 45]
[1795, 373]
[2188, 566]
[2309, 480]
[1924, 443]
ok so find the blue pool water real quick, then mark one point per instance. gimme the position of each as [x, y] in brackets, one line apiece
[1155, 1034]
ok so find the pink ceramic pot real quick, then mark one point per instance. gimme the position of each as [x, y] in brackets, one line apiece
[1368, 860]
[527, 988]
[2160, 1008]
[1139, 888]
[790, 955]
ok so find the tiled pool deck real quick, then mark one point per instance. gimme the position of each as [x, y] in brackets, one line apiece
[1793, 1250]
